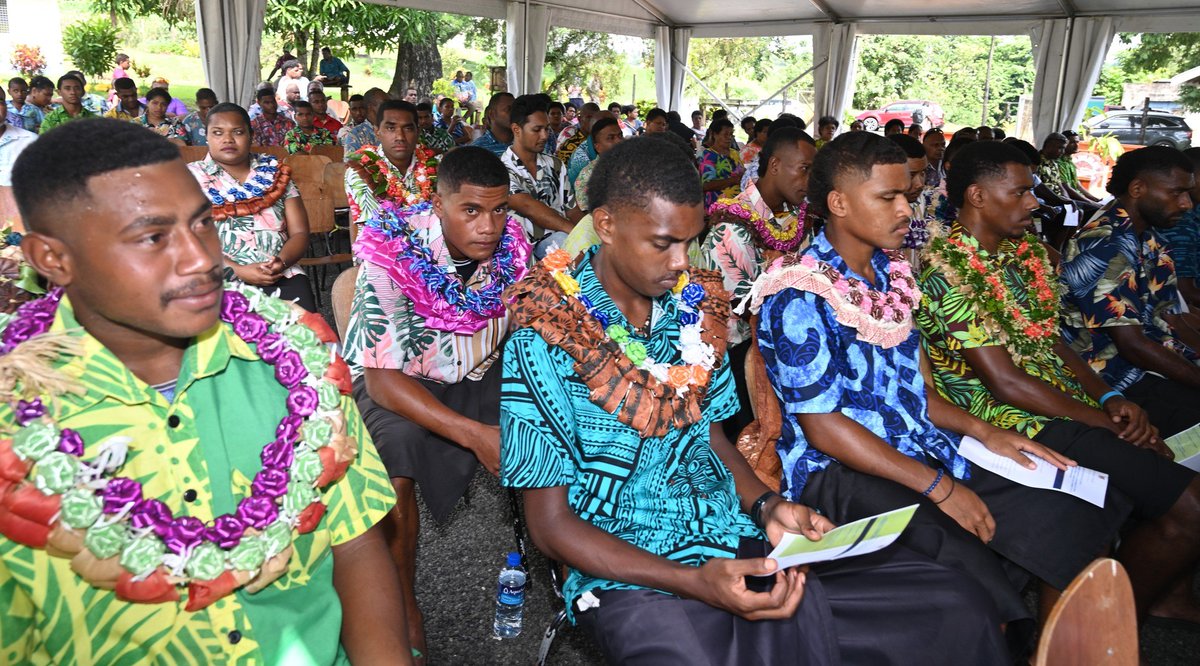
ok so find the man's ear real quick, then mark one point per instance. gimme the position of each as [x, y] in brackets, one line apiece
[604, 224]
[835, 201]
[973, 196]
[49, 256]
[438, 204]
[1137, 188]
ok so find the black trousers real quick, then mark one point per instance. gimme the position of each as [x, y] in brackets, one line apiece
[890, 607]
[1171, 406]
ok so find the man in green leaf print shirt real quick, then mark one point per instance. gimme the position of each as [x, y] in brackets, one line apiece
[184, 557]
[629, 480]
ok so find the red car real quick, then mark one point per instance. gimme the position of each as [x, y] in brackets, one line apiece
[903, 111]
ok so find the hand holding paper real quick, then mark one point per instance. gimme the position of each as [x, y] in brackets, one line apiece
[1086, 484]
[857, 538]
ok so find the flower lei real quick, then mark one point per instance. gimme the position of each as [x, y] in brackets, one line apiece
[267, 182]
[699, 357]
[879, 318]
[390, 241]
[379, 174]
[114, 535]
[1027, 331]
[786, 239]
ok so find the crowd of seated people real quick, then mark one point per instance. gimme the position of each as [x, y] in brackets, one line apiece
[572, 299]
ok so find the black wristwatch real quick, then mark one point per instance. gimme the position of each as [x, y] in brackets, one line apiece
[757, 507]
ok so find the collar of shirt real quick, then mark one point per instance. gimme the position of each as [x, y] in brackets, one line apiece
[514, 163]
[663, 310]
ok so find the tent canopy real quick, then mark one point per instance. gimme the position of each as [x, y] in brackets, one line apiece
[1069, 38]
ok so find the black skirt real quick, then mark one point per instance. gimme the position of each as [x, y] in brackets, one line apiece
[441, 468]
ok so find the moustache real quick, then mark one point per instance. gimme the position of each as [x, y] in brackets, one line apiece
[197, 286]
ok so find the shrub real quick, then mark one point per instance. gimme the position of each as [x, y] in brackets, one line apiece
[28, 60]
[91, 45]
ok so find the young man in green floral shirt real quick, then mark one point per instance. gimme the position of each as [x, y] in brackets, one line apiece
[175, 405]
[989, 321]
[305, 136]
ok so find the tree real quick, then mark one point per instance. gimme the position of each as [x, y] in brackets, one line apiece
[1155, 56]
[91, 45]
[581, 57]
[126, 10]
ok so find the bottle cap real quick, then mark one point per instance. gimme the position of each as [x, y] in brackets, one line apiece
[514, 559]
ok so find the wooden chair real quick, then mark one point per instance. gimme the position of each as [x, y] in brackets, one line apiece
[335, 184]
[339, 109]
[345, 91]
[334, 153]
[193, 153]
[340, 297]
[308, 168]
[1094, 623]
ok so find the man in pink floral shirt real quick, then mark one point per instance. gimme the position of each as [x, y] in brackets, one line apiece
[270, 128]
[426, 327]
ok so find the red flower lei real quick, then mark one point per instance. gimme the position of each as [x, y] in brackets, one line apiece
[372, 165]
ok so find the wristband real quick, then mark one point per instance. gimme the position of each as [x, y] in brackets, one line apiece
[952, 487]
[757, 507]
[936, 480]
[1110, 395]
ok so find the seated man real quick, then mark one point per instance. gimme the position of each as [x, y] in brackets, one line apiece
[573, 136]
[554, 113]
[320, 104]
[272, 550]
[194, 123]
[436, 139]
[451, 122]
[934, 142]
[747, 233]
[127, 107]
[270, 128]
[18, 92]
[1183, 242]
[630, 482]
[13, 141]
[922, 199]
[305, 135]
[990, 324]
[837, 338]
[70, 89]
[398, 170]
[1121, 308]
[333, 72]
[364, 113]
[540, 193]
[498, 135]
[424, 341]
[893, 126]
[1053, 159]
[41, 92]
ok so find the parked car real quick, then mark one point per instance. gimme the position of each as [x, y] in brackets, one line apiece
[876, 118]
[1162, 129]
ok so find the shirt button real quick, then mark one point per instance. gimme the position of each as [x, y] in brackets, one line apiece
[173, 421]
[189, 495]
[235, 636]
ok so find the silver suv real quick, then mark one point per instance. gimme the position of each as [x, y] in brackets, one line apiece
[1162, 129]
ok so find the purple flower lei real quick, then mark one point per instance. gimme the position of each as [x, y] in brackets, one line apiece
[439, 295]
[120, 494]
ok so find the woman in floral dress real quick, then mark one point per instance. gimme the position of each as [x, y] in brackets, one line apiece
[260, 218]
[155, 117]
[720, 165]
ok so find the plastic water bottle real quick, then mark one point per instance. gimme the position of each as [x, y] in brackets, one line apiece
[510, 598]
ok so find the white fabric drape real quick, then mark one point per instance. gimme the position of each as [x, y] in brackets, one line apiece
[670, 44]
[230, 39]
[528, 29]
[1072, 55]
[833, 81]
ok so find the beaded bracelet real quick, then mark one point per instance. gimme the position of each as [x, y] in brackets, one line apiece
[936, 480]
[1108, 396]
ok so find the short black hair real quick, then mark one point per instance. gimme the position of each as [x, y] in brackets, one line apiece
[525, 106]
[782, 122]
[894, 122]
[697, 112]
[1193, 154]
[206, 93]
[998, 134]
[41, 83]
[674, 117]
[155, 93]
[785, 137]
[719, 125]
[655, 114]
[1032, 154]
[125, 83]
[628, 109]
[612, 104]
[1151, 159]
[17, 79]
[555, 105]
[395, 105]
[470, 165]
[855, 152]
[425, 106]
[909, 144]
[268, 91]
[826, 121]
[590, 106]
[228, 107]
[58, 165]
[69, 77]
[978, 161]
[675, 141]
[633, 172]
[748, 119]
[302, 105]
[761, 125]
[793, 118]
[603, 124]
[956, 144]
[358, 98]
[444, 101]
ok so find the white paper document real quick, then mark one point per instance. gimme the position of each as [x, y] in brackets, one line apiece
[1071, 217]
[1186, 446]
[1086, 484]
[857, 538]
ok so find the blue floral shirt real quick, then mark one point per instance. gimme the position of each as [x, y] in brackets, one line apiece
[818, 366]
[669, 495]
[1113, 277]
[490, 142]
[1183, 242]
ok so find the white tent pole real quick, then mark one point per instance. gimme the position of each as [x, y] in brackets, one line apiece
[786, 86]
[525, 49]
[714, 95]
